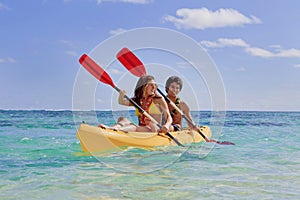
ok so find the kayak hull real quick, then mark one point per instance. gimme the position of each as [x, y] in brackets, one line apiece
[96, 139]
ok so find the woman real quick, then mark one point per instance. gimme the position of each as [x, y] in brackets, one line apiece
[173, 87]
[145, 96]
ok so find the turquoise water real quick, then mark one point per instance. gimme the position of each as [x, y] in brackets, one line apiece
[42, 159]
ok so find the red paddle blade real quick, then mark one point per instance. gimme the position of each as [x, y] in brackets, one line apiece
[91, 66]
[131, 62]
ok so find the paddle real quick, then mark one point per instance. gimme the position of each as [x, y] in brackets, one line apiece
[99, 73]
[136, 67]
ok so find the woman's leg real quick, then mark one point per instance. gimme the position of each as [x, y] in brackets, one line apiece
[124, 124]
[122, 121]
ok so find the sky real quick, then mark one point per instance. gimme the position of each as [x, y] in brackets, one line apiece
[255, 46]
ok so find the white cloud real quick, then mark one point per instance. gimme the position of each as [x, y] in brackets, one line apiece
[115, 71]
[3, 7]
[224, 42]
[126, 1]
[136, 1]
[11, 60]
[297, 65]
[72, 53]
[184, 65]
[281, 53]
[123, 1]
[67, 43]
[71, 46]
[100, 100]
[203, 18]
[291, 53]
[254, 51]
[7, 60]
[241, 69]
[117, 31]
[275, 46]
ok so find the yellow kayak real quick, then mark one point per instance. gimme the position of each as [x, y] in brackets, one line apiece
[96, 139]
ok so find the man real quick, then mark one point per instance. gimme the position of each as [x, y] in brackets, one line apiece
[173, 87]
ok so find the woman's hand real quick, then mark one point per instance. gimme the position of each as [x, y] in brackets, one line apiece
[122, 93]
[164, 129]
[123, 101]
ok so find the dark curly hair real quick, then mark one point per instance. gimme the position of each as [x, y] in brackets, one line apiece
[172, 79]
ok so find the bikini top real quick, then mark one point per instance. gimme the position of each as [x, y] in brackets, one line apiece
[150, 107]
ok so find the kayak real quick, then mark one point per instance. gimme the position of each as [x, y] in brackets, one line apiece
[96, 139]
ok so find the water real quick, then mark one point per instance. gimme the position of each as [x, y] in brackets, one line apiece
[40, 158]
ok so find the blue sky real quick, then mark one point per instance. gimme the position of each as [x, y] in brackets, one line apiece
[254, 44]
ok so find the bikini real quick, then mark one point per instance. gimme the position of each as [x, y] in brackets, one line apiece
[150, 107]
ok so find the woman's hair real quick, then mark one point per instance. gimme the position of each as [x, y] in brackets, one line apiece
[172, 79]
[140, 87]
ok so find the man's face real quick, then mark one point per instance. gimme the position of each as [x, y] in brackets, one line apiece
[174, 89]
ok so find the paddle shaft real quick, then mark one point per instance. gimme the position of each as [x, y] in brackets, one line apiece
[182, 114]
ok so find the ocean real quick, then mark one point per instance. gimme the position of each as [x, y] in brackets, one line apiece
[41, 158]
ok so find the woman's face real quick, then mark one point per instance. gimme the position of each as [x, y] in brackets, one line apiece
[174, 89]
[150, 88]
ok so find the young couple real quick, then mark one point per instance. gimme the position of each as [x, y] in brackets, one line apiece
[146, 97]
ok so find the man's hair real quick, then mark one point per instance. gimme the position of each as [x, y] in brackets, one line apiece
[172, 79]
